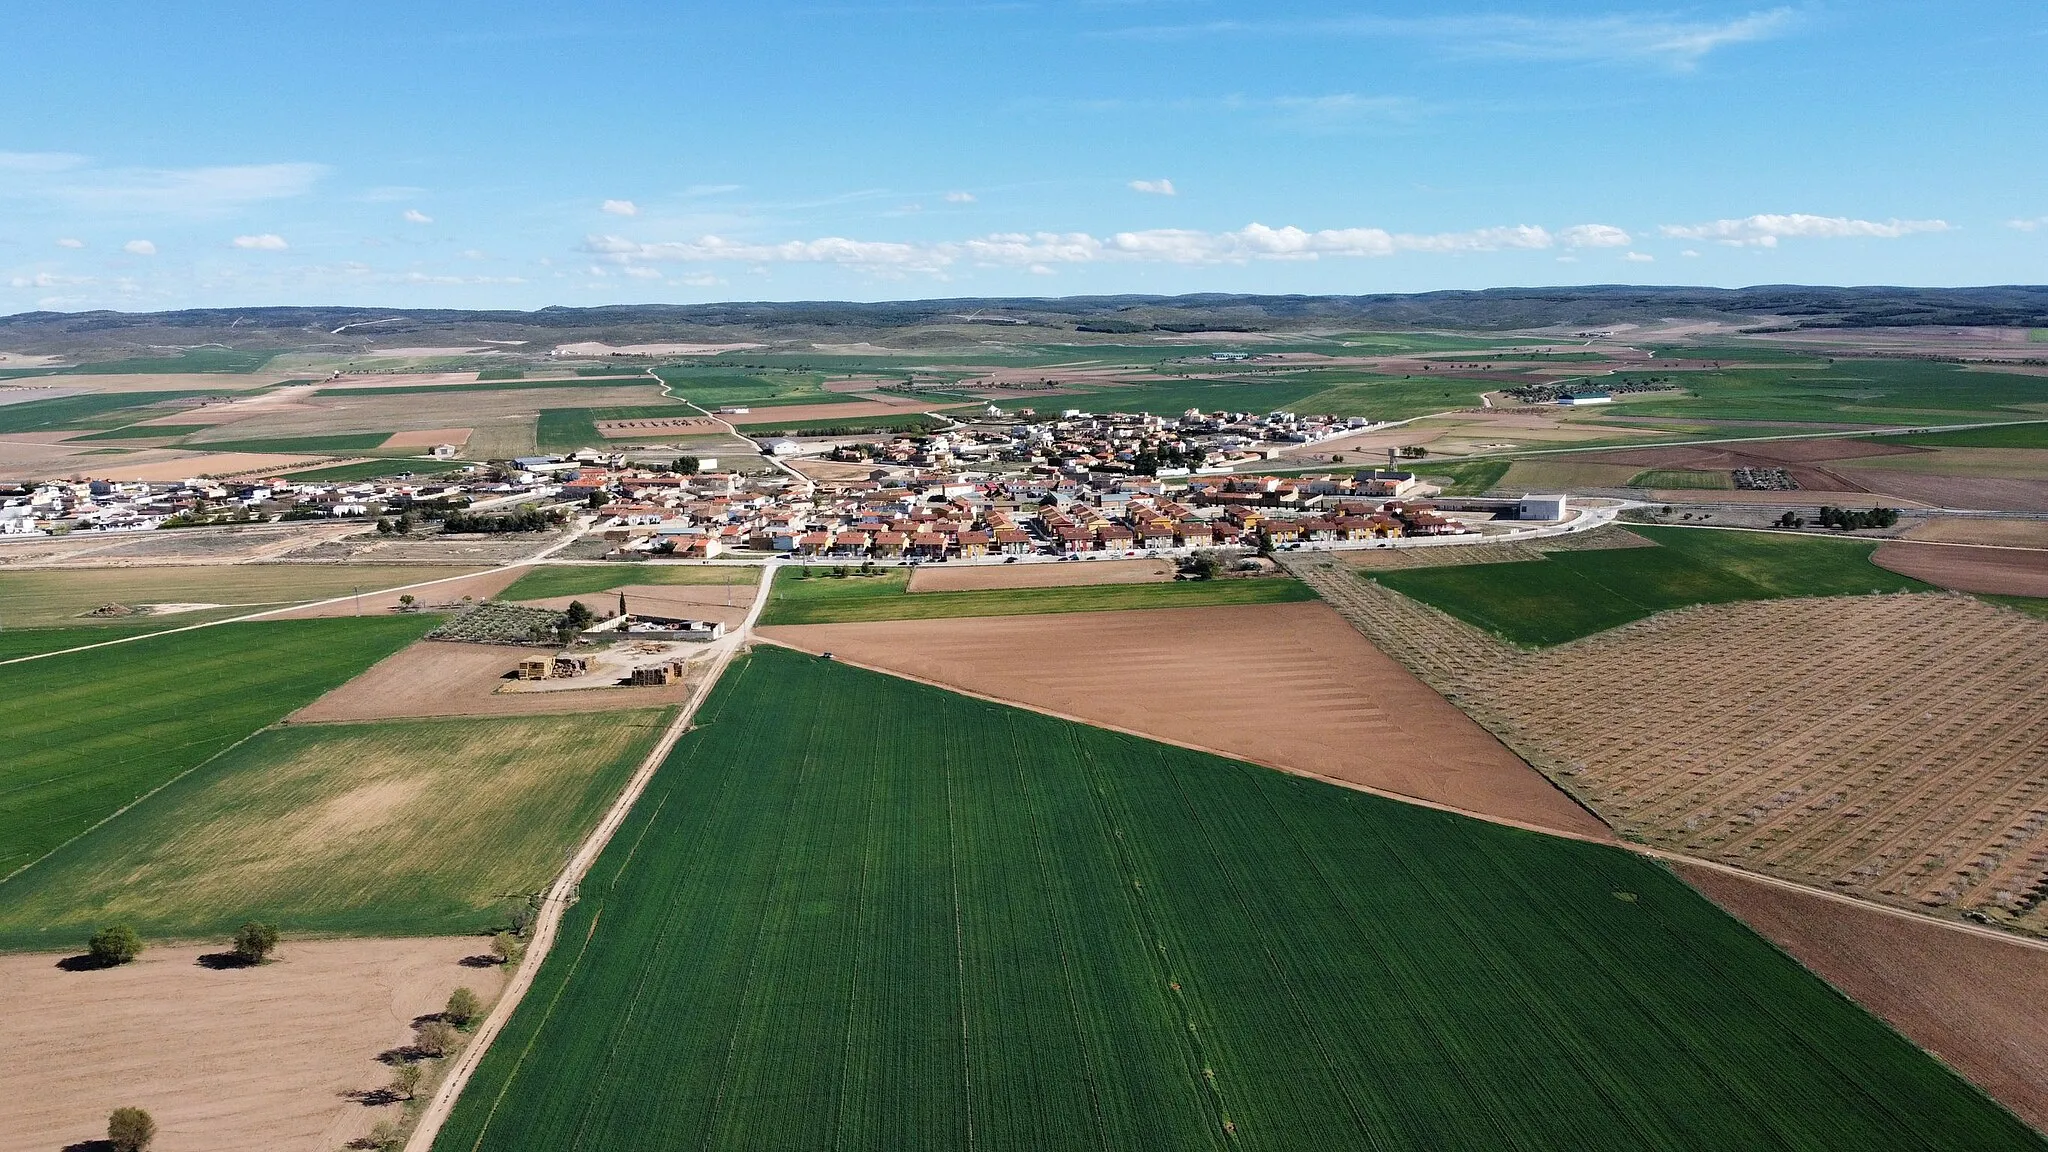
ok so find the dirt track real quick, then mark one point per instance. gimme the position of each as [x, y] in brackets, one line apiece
[225, 1060]
[931, 578]
[1287, 685]
[2004, 571]
[440, 678]
[1975, 1003]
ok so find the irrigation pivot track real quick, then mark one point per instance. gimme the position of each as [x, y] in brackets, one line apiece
[562, 893]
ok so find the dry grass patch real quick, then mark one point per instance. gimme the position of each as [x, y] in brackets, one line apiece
[240, 1060]
[406, 827]
[1286, 685]
[50, 597]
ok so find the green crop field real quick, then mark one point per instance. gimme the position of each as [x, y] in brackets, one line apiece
[402, 828]
[59, 596]
[913, 423]
[824, 599]
[1851, 392]
[548, 580]
[567, 429]
[2002, 436]
[1680, 478]
[1461, 478]
[375, 469]
[1574, 594]
[854, 912]
[87, 412]
[89, 732]
[34, 640]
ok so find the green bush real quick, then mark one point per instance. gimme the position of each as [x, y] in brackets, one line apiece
[130, 1130]
[254, 942]
[117, 944]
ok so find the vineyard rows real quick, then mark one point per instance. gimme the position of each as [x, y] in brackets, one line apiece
[1890, 747]
[860, 913]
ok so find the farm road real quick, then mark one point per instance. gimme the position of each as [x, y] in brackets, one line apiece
[560, 896]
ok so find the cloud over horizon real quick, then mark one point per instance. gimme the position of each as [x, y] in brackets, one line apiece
[1765, 231]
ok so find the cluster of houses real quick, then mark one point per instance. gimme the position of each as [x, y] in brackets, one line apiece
[1131, 443]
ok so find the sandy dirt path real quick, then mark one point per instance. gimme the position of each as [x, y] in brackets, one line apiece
[224, 1060]
[561, 895]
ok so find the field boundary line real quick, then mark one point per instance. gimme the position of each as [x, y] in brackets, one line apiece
[1660, 854]
[549, 920]
[528, 562]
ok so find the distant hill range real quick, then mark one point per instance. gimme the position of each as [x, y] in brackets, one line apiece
[932, 323]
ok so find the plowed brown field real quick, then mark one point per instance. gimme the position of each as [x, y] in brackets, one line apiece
[1974, 1002]
[2004, 571]
[1285, 685]
[225, 1060]
[930, 578]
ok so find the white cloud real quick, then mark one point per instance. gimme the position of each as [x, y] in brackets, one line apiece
[139, 248]
[266, 242]
[48, 280]
[1154, 187]
[2034, 224]
[1651, 37]
[68, 180]
[1690, 254]
[1640, 258]
[415, 216]
[642, 272]
[959, 197]
[1764, 231]
[1254, 242]
[70, 242]
[621, 208]
[1594, 236]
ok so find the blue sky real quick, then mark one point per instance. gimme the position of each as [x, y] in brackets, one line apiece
[513, 154]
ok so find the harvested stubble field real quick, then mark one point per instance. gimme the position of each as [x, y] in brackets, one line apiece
[2001, 533]
[237, 1060]
[1570, 594]
[848, 914]
[1972, 1001]
[824, 599]
[548, 580]
[421, 583]
[49, 597]
[90, 732]
[1997, 571]
[404, 828]
[438, 678]
[1286, 685]
[684, 601]
[950, 578]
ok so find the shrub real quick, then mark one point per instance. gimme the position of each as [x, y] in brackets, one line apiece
[436, 1038]
[254, 942]
[117, 944]
[462, 1008]
[385, 1138]
[130, 1130]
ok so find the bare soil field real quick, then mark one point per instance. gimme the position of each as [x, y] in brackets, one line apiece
[332, 413]
[795, 415]
[830, 470]
[2008, 533]
[1974, 1002]
[1887, 747]
[1565, 473]
[476, 548]
[1956, 491]
[443, 678]
[1991, 463]
[186, 465]
[1285, 685]
[442, 589]
[428, 437]
[2002, 571]
[48, 596]
[223, 545]
[261, 1059]
[944, 578]
[690, 601]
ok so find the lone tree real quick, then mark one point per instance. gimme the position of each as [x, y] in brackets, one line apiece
[405, 1081]
[436, 1038]
[255, 941]
[505, 947]
[115, 944]
[130, 1130]
[462, 1008]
